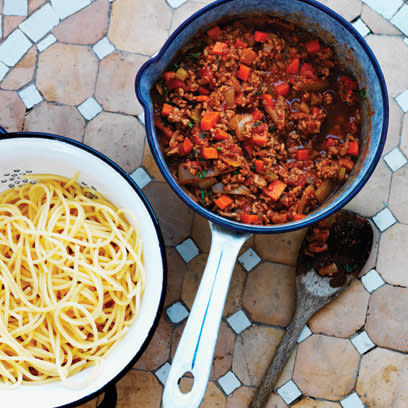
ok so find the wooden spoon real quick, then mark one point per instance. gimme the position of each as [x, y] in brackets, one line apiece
[331, 256]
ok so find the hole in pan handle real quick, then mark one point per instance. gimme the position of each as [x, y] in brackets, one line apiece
[195, 350]
[110, 398]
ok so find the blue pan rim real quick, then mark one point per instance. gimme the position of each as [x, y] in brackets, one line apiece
[236, 226]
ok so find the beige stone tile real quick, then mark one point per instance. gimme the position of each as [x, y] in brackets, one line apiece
[377, 23]
[185, 11]
[404, 135]
[58, 119]
[201, 232]
[175, 276]
[398, 201]
[23, 72]
[10, 23]
[392, 54]
[394, 126]
[120, 137]
[345, 315]
[242, 397]
[387, 318]
[287, 372]
[275, 401]
[174, 216]
[67, 73]
[372, 196]
[269, 294]
[213, 397]
[254, 350]
[311, 403]
[233, 301]
[12, 111]
[157, 352]
[280, 248]
[117, 72]
[382, 382]
[34, 5]
[348, 9]
[150, 165]
[138, 389]
[138, 26]
[77, 28]
[326, 367]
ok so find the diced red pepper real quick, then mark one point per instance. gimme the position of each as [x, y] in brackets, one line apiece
[275, 189]
[206, 76]
[219, 48]
[302, 154]
[240, 44]
[260, 36]
[202, 98]
[203, 91]
[259, 139]
[167, 132]
[306, 69]
[353, 148]
[282, 89]
[259, 165]
[298, 217]
[209, 120]
[248, 149]
[313, 46]
[330, 141]
[315, 110]
[243, 72]
[249, 218]
[175, 84]
[293, 66]
[209, 153]
[166, 109]
[257, 114]
[223, 202]
[168, 75]
[220, 135]
[187, 145]
[349, 82]
[268, 100]
[214, 32]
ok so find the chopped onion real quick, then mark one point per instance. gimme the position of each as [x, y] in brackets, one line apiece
[220, 188]
[229, 96]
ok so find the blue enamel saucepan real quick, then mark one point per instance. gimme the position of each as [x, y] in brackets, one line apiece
[196, 347]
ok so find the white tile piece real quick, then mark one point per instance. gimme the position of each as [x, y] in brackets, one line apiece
[372, 280]
[362, 342]
[46, 42]
[14, 48]
[40, 22]
[384, 219]
[103, 48]
[177, 312]
[402, 99]
[249, 259]
[141, 117]
[239, 321]
[361, 27]
[4, 69]
[406, 40]
[176, 3]
[30, 96]
[141, 177]
[187, 249]
[395, 159]
[304, 334]
[400, 20]
[90, 108]
[15, 7]
[289, 392]
[229, 382]
[352, 401]
[163, 372]
[386, 8]
[65, 8]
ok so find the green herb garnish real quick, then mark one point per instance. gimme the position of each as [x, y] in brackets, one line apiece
[166, 91]
[257, 123]
[236, 171]
[252, 167]
[349, 268]
[202, 135]
[363, 94]
[219, 148]
[195, 54]
[202, 193]
[176, 66]
[190, 125]
[202, 173]
[218, 63]
[272, 128]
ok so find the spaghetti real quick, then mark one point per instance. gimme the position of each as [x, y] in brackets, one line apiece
[71, 279]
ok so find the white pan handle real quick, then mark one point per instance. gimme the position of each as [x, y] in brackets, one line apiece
[196, 347]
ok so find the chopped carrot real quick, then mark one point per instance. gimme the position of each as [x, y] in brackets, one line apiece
[223, 202]
[330, 141]
[202, 98]
[248, 149]
[302, 154]
[260, 36]
[166, 109]
[219, 48]
[243, 72]
[209, 120]
[209, 153]
[203, 91]
[282, 89]
[167, 132]
[240, 44]
[187, 145]
[259, 139]
[268, 100]
[214, 32]
[257, 114]
[298, 217]
[275, 189]
[168, 75]
[307, 70]
[259, 165]
[249, 218]
[313, 46]
[220, 134]
[353, 148]
[293, 66]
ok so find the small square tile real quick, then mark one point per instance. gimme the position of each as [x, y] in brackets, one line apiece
[352, 401]
[46, 42]
[384, 219]
[90, 108]
[239, 321]
[361, 27]
[103, 48]
[400, 20]
[386, 8]
[395, 159]
[229, 382]
[187, 249]
[289, 392]
[163, 372]
[249, 259]
[372, 280]
[304, 334]
[30, 96]
[40, 22]
[14, 48]
[65, 8]
[4, 69]
[141, 177]
[362, 342]
[402, 99]
[15, 7]
[176, 3]
[141, 117]
[177, 312]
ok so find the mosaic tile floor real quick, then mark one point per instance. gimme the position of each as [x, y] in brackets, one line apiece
[61, 74]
